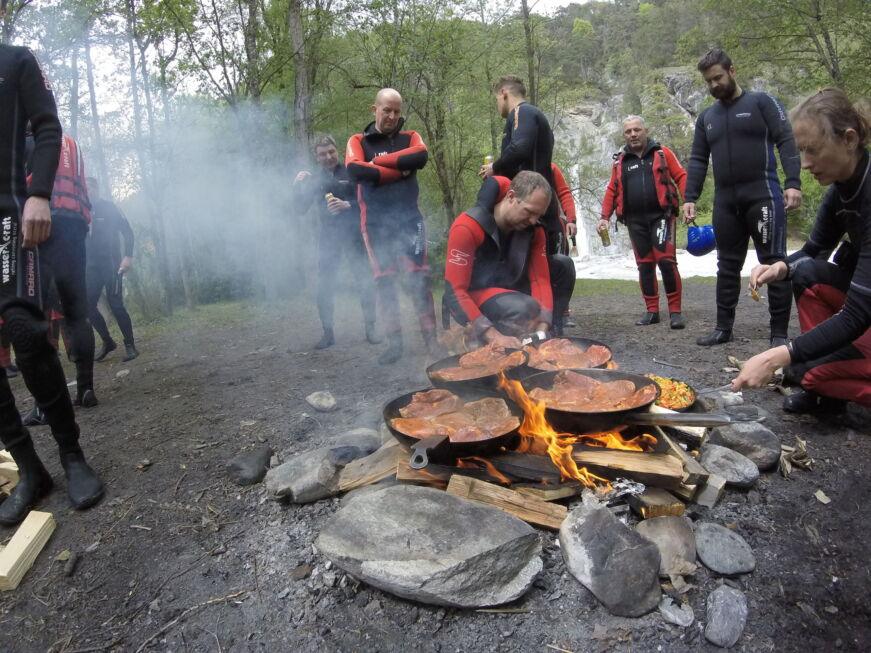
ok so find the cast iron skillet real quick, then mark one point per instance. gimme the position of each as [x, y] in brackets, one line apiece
[483, 386]
[584, 343]
[693, 394]
[439, 448]
[598, 421]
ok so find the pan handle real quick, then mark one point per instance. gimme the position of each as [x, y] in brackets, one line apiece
[421, 449]
[684, 419]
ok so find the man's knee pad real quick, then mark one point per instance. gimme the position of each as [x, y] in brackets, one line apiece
[26, 328]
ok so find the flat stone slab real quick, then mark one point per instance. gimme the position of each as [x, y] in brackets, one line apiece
[614, 562]
[674, 538]
[759, 443]
[723, 550]
[249, 467]
[429, 546]
[726, 615]
[736, 468]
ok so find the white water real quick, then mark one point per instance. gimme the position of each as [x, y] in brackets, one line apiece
[622, 265]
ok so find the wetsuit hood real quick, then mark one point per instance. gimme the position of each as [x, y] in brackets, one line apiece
[372, 131]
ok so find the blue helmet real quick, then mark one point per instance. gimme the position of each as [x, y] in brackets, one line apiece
[700, 240]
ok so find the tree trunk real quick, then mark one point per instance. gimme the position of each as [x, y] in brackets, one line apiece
[531, 86]
[252, 52]
[301, 83]
[74, 92]
[105, 181]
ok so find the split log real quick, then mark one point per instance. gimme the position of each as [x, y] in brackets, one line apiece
[371, 469]
[653, 469]
[8, 476]
[529, 509]
[685, 492]
[550, 492]
[711, 491]
[526, 467]
[5, 456]
[693, 435]
[656, 502]
[438, 476]
[694, 473]
[19, 555]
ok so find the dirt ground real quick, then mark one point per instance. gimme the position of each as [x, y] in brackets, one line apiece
[178, 558]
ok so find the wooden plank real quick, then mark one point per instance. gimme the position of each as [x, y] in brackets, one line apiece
[533, 511]
[371, 469]
[19, 555]
[694, 473]
[8, 475]
[685, 492]
[654, 469]
[693, 435]
[656, 502]
[526, 467]
[711, 491]
[550, 492]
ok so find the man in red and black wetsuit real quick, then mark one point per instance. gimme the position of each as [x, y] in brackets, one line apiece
[643, 191]
[498, 275]
[384, 160]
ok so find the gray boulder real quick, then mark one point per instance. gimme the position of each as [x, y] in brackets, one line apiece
[308, 477]
[249, 467]
[674, 538]
[430, 546]
[363, 439]
[723, 550]
[757, 442]
[727, 616]
[614, 562]
[736, 468]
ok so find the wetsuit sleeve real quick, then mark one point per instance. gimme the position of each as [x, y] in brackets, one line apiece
[126, 233]
[539, 277]
[413, 157]
[40, 108]
[363, 171]
[464, 238]
[521, 149]
[303, 195]
[564, 193]
[676, 170]
[610, 200]
[824, 237]
[781, 133]
[850, 322]
[698, 164]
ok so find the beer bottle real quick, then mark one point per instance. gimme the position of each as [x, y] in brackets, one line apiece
[605, 236]
[488, 160]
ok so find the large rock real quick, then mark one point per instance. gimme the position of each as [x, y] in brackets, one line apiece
[751, 439]
[614, 562]
[674, 538]
[249, 467]
[365, 440]
[727, 616]
[308, 477]
[736, 468]
[722, 550]
[430, 546]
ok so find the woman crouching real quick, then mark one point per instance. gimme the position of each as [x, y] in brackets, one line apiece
[831, 359]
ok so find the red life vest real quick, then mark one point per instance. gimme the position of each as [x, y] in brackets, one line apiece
[70, 193]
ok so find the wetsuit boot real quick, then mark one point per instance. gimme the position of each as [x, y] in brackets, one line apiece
[648, 319]
[34, 417]
[716, 337]
[106, 348]
[85, 395]
[34, 481]
[394, 349]
[372, 336]
[327, 340]
[807, 402]
[677, 321]
[130, 352]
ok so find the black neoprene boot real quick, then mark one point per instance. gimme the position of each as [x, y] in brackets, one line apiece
[716, 337]
[34, 482]
[34, 417]
[808, 402]
[394, 350]
[677, 321]
[83, 485]
[327, 340]
[106, 348]
[647, 319]
[130, 352]
[372, 336]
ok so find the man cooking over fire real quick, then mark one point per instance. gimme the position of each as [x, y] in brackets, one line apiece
[384, 160]
[498, 276]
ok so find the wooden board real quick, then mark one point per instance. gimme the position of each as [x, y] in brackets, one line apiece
[533, 511]
[371, 469]
[654, 469]
[694, 473]
[711, 491]
[550, 492]
[656, 502]
[19, 555]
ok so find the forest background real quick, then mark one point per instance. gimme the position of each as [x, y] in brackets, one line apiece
[197, 114]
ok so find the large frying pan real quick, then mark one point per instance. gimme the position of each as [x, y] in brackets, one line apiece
[480, 387]
[598, 421]
[584, 343]
[439, 448]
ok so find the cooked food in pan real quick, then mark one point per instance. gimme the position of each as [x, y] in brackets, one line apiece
[575, 392]
[563, 354]
[439, 412]
[673, 394]
[480, 363]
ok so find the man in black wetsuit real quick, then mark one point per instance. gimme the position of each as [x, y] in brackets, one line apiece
[25, 95]
[335, 197]
[739, 132]
[106, 269]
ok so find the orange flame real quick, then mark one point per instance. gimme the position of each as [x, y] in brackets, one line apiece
[474, 462]
[611, 365]
[615, 440]
[537, 436]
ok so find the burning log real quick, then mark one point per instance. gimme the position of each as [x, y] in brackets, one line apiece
[694, 473]
[653, 469]
[371, 469]
[656, 502]
[438, 475]
[529, 509]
